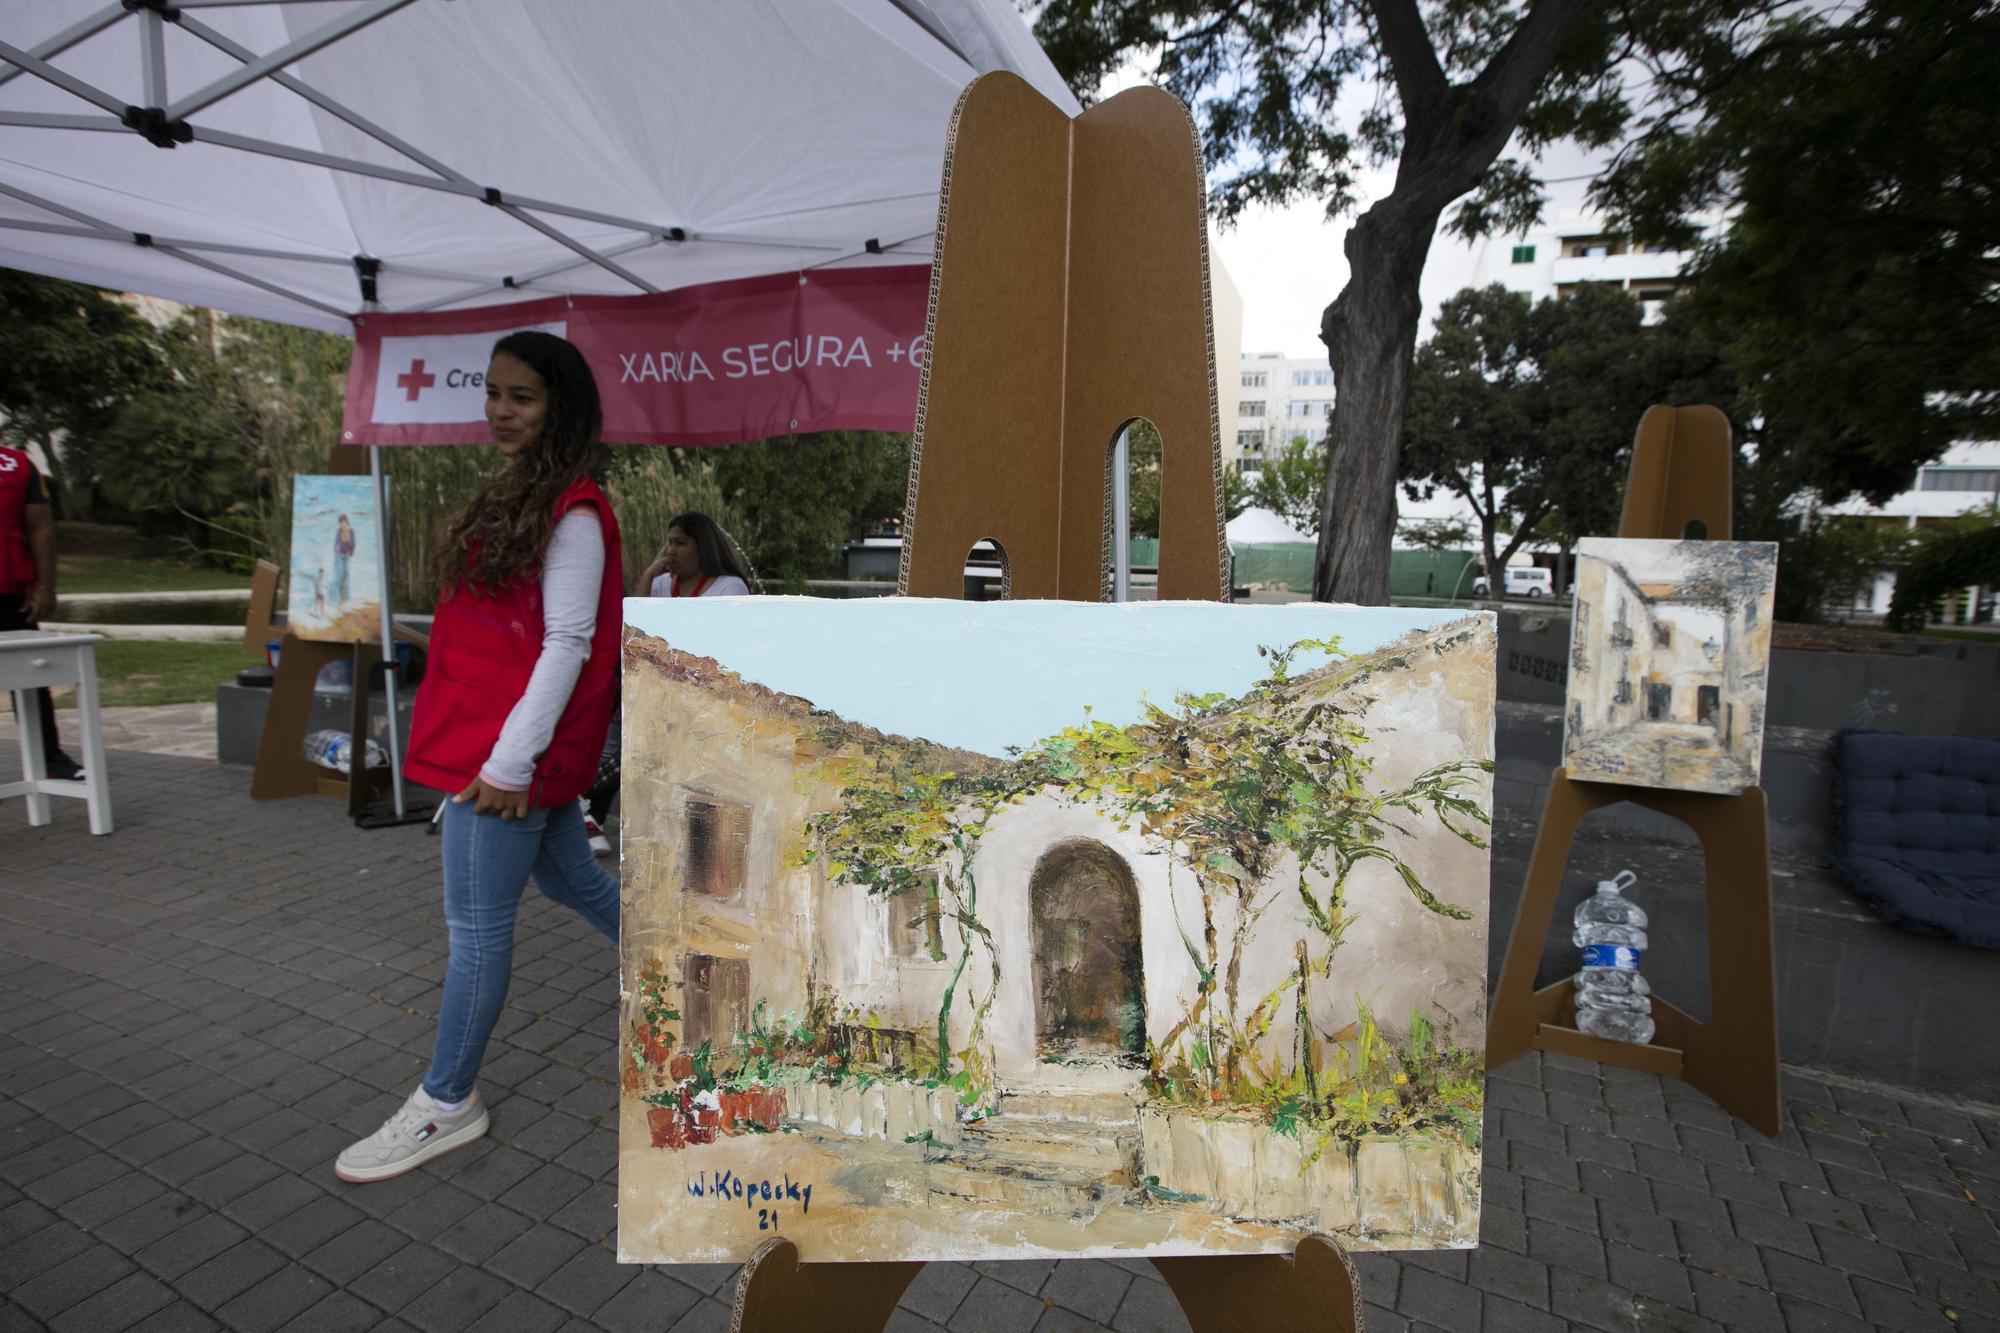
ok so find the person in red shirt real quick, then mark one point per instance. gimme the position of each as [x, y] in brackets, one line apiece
[28, 578]
[511, 716]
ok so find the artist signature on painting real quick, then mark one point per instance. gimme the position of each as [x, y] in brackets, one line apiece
[728, 1187]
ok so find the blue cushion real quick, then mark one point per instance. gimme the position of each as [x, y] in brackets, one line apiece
[1917, 830]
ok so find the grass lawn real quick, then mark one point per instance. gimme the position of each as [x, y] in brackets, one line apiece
[99, 573]
[95, 557]
[133, 672]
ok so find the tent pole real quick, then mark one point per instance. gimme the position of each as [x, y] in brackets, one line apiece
[1121, 517]
[389, 665]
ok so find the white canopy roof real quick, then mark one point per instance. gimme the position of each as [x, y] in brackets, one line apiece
[1262, 527]
[479, 151]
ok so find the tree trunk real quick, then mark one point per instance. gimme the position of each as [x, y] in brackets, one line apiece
[1370, 332]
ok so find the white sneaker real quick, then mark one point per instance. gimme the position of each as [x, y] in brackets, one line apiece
[411, 1137]
[599, 844]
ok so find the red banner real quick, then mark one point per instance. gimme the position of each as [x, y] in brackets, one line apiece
[836, 349]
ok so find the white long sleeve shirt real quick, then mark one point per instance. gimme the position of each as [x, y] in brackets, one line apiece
[572, 573]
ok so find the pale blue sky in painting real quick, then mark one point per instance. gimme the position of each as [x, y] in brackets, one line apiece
[986, 675]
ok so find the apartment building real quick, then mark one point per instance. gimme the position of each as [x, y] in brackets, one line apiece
[1279, 398]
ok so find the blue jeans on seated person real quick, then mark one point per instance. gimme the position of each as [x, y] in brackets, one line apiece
[487, 861]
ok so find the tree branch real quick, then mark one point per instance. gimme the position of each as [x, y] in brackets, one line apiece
[1511, 79]
[1420, 81]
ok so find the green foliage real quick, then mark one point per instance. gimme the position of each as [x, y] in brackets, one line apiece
[1291, 484]
[1955, 559]
[1526, 411]
[1230, 785]
[1143, 493]
[1853, 285]
[73, 355]
[796, 499]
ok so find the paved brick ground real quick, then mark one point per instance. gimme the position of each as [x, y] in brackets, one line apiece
[199, 1011]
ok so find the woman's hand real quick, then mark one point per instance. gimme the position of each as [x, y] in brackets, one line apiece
[644, 587]
[491, 800]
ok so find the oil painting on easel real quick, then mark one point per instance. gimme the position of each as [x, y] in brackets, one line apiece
[1670, 649]
[1029, 929]
[335, 589]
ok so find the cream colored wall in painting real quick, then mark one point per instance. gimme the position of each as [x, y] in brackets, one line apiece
[1025, 1144]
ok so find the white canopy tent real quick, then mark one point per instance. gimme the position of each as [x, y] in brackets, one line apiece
[307, 160]
[1256, 526]
[301, 160]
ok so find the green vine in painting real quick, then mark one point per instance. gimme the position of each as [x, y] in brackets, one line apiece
[1228, 786]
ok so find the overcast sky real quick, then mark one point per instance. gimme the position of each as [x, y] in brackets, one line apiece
[1288, 264]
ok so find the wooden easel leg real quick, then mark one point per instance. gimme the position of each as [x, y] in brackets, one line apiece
[280, 769]
[1313, 1290]
[1517, 1008]
[1734, 1056]
[775, 1293]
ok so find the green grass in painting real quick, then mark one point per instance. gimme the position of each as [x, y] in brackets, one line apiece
[135, 672]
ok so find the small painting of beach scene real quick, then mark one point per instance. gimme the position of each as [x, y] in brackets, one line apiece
[1040, 929]
[335, 589]
[1669, 656]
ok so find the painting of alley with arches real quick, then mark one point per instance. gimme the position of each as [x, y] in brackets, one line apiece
[1038, 929]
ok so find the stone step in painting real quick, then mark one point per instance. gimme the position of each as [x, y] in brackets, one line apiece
[1041, 929]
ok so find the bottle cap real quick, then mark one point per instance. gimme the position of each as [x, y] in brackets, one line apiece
[1618, 883]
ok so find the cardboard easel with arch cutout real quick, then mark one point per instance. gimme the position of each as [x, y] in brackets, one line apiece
[1679, 487]
[1069, 295]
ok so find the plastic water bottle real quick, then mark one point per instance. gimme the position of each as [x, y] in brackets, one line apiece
[1612, 1000]
[334, 749]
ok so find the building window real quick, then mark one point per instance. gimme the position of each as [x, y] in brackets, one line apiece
[1301, 377]
[1663, 634]
[1250, 409]
[1253, 379]
[715, 1000]
[718, 842]
[1656, 248]
[1961, 479]
[1592, 247]
[916, 922]
[1249, 439]
[1524, 254]
[1249, 465]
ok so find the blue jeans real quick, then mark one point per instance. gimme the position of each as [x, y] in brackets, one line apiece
[487, 861]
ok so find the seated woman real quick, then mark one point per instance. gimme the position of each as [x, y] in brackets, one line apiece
[699, 560]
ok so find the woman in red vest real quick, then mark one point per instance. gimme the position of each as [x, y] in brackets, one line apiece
[511, 716]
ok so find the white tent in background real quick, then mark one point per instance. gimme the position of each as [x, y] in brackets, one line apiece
[1262, 527]
[299, 160]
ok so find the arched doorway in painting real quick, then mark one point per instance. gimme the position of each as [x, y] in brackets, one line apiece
[1089, 992]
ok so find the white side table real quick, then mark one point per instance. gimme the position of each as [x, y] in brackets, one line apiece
[31, 660]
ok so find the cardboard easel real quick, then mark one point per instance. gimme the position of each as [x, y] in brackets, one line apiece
[1069, 295]
[1680, 477]
[281, 770]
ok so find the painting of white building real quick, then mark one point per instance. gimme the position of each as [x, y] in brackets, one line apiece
[1040, 929]
[1670, 649]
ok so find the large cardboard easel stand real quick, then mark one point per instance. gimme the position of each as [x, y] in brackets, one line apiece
[1680, 479]
[1069, 296]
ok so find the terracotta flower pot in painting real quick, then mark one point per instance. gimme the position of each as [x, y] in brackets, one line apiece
[680, 1068]
[707, 1123]
[735, 1107]
[668, 1125]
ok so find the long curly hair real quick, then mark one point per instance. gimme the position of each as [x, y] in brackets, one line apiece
[503, 531]
[714, 547]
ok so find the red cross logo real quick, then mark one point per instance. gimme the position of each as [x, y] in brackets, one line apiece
[415, 380]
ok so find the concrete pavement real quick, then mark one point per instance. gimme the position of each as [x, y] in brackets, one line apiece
[197, 1012]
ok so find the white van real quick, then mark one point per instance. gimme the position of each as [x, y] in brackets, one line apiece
[1522, 581]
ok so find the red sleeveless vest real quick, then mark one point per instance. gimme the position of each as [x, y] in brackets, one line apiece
[17, 558]
[483, 649]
